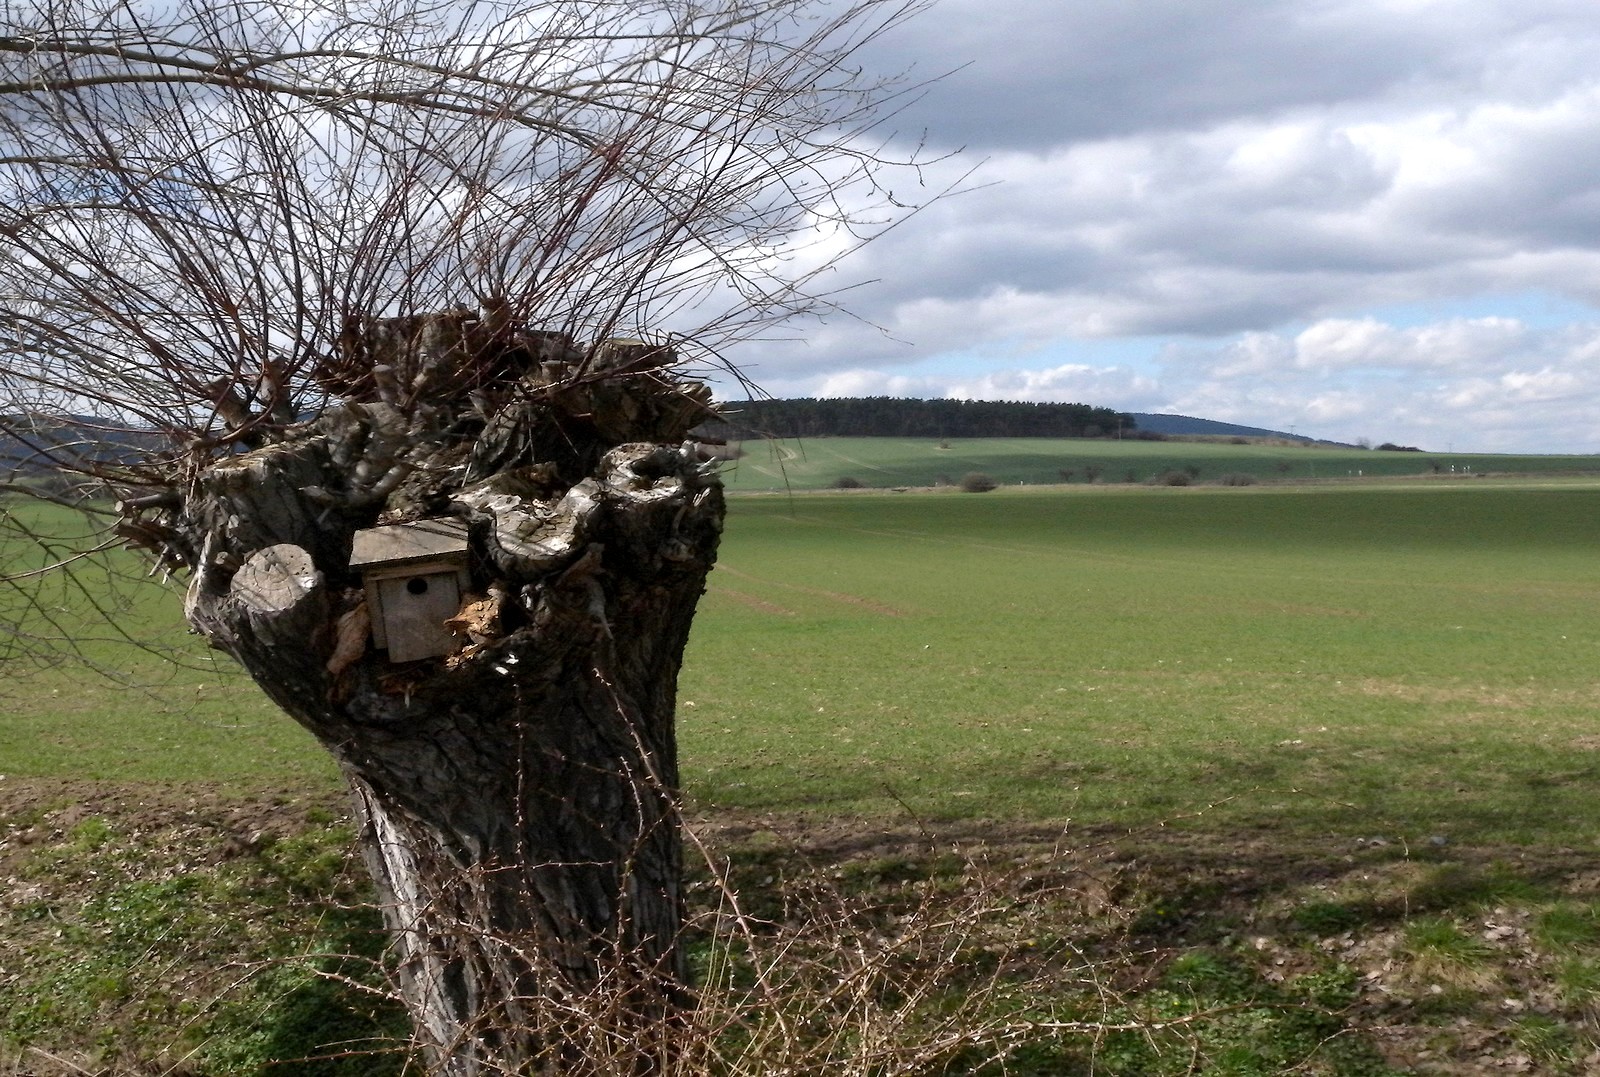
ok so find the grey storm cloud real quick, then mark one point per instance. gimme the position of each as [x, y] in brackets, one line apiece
[1031, 73]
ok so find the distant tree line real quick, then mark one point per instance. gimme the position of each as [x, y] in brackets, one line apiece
[883, 416]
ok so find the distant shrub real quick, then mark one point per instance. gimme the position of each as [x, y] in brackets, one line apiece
[1066, 474]
[1175, 477]
[944, 480]
[1237, 478]
[848, 482]
[1390, 446]
[976, 482]
[1238, 440]
[1148, 435]
[1091, 473]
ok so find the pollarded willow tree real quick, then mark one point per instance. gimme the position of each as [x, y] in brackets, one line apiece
[379, 321]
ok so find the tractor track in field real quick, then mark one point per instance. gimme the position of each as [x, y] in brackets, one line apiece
[857, 601]
[759, 604]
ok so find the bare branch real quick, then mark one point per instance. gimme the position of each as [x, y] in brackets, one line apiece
[374, 320]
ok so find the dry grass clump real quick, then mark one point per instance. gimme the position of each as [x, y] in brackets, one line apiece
[836, 951]
[949, 970]
[936, 963]
[948, 973]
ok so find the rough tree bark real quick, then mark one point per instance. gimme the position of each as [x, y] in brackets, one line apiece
[517, 796]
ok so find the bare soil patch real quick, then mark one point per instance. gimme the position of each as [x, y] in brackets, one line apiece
[215, 822]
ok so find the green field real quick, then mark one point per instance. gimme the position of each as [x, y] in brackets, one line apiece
[818, 463]
[104, 682]
[1409, 660]
[1305, 772]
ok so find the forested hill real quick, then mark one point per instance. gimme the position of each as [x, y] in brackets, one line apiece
[883, 416]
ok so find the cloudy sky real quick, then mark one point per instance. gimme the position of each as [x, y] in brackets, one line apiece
[1349, 218]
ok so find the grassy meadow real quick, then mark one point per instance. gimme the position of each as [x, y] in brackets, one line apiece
[105, 683]
[819, 463]
[1410, 662]
[1413, 660]
[1308, 769]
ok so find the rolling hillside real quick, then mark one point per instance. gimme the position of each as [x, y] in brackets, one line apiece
[1189, 426]
[820, 463]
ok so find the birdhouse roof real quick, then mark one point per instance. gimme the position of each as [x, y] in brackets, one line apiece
[400, 544]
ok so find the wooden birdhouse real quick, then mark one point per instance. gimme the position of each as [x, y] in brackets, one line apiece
[414, 575]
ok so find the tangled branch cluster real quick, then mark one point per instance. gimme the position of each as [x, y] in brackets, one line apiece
[200, 202]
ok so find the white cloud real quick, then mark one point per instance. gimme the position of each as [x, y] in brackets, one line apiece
[1258, 185]
[1459, 344]
[1486, 383]
[1070, 381]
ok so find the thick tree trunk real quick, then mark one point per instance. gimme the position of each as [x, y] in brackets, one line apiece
[517, 796]
[524, 840]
